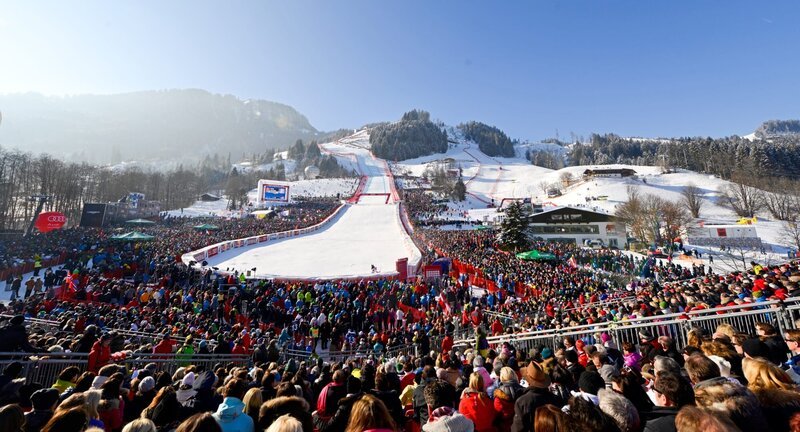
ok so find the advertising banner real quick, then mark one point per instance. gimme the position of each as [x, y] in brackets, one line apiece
[50, 221]
[93, 215]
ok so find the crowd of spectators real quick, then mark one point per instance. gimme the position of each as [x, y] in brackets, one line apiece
[113, 301]
[723, 381]
[173, 235]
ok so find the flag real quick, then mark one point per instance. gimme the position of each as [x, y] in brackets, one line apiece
[443, 303]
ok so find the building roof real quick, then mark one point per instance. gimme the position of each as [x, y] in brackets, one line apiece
[610, 171]
[587, 215]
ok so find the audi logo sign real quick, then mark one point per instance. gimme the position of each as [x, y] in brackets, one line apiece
[50, 221]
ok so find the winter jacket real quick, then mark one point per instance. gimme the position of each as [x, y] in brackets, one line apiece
[36, 419]
[13, 338]
[392, 401]
[575, 369]
[420, 406]
[525, 406]
[296, 407]
[659, 419]
[62, 385]
[163, 347]
[231, 417]
[477, 407]
[633, 360]
[779, 406]
[205, 399]
[137, 404]
[112, 413]
[505, 396]
[99, 356]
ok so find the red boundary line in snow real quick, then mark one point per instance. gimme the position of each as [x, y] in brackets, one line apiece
[362, 183]
[387, 195]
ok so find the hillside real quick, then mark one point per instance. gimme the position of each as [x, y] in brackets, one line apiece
[145, 126]
[773, 128]
[413, 136]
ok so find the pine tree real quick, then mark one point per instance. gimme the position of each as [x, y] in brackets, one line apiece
[460, 190]
[513, 233]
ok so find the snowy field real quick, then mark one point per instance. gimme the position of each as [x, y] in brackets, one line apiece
[362, 235]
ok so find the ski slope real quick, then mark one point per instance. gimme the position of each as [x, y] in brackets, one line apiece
[365, 233]
[487, 178]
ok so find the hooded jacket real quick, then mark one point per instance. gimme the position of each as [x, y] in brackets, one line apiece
[504, 398]
[205, 399]
[477, 407]
[231, 417]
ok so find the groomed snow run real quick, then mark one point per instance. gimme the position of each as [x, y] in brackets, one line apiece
[364, 234]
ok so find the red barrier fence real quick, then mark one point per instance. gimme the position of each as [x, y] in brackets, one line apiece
[362, 183]
[28, 267]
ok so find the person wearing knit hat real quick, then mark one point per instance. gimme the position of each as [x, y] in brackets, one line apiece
[147, 384]
[186, 390]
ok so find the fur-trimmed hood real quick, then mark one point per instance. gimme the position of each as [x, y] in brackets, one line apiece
[731, 399]
[777, 397]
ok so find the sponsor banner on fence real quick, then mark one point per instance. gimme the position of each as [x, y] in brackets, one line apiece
[262, 239]
[199, 257]
[253, 240]
[213, 251]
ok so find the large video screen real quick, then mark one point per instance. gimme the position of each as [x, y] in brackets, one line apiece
[274, 192]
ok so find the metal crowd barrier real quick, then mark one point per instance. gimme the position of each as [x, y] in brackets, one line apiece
[674, 327]
[44, 368]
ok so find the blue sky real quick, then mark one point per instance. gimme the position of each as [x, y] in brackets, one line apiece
[635, 68]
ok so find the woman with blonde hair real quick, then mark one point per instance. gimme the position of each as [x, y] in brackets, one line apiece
[694, 337]
[370, 414]
[285, 423]
[725, 329]
[476, 405]
[252, 403]
[140, 425]
[505, 395]
[90, 401]
[776, 392]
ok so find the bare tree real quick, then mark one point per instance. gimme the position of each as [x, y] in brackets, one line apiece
[566, 178]
[791, 231]
[675, 217]
[692, 199]
[744, 200]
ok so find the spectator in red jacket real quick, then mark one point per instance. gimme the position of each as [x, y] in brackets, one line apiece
[497, 327]
[100, 353]
[447, 344]
[476, 405]
[165, 346]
